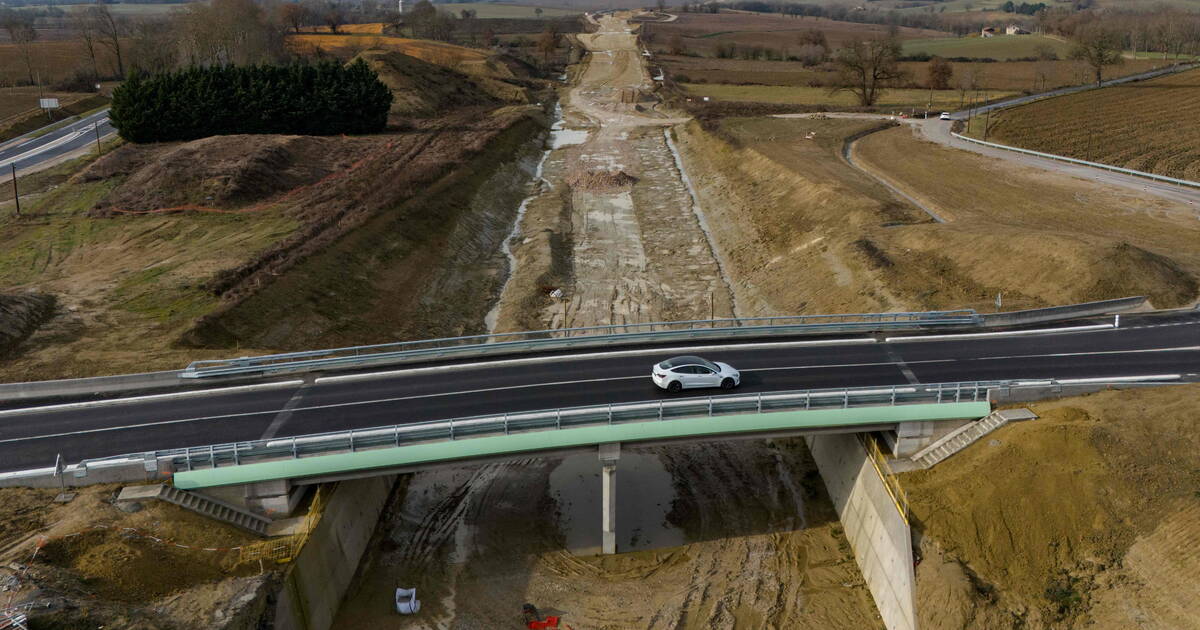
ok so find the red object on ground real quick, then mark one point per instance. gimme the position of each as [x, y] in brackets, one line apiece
[550, 622]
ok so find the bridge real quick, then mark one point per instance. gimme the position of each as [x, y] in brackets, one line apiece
[917, 383]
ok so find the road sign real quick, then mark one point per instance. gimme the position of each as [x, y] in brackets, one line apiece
[48, 103]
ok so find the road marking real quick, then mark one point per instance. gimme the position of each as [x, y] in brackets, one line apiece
[592, 355]
[904, 369]
[284, 414]
[1008, 333]
[152, 397]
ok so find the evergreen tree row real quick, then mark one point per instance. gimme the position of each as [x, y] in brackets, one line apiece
[326, 98]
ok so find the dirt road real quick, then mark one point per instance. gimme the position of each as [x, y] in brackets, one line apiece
[614, 225]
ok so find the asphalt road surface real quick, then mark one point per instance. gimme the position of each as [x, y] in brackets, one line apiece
[1164, 344]
[29, 153]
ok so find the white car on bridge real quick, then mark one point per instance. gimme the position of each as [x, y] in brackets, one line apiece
[688, 372]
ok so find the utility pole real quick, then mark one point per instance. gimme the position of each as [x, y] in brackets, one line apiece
[16, 195]
[96, 127]
[987, 120]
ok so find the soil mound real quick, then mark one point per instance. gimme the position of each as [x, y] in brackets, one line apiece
[20, 315]
[1130, 270]
[600, 180]
[421, 88]
[220, 171]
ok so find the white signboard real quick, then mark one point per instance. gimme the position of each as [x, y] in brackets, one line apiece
[48, 103]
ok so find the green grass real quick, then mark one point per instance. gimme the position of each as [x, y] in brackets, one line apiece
[998, 47]
[942, 99]
[504, 10]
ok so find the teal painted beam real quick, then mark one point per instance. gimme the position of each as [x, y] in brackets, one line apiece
[532, 442]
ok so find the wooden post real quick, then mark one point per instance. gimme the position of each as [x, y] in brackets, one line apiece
[16, 195]
[987, 120]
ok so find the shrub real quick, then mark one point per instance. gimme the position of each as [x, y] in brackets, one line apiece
[326, 98]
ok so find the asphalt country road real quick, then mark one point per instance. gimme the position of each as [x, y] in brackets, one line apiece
[28, 153]
[1161, 345]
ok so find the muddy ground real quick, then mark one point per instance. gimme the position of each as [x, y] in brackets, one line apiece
[737, 535]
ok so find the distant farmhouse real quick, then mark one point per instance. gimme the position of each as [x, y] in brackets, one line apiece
[1013, 29]
[988, 31]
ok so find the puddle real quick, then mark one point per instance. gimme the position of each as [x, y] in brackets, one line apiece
[644, 497]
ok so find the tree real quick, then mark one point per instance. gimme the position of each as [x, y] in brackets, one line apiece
[110, 30]
[940, 72]
[676, 45]
[548, 42]
[85, 28]
[19, 27]
[537, 11]
[866, 67]
[334, 17]
[1098, 47]
[422, 18]
[294, 15]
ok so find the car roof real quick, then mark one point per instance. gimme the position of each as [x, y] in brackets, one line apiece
[688, 359]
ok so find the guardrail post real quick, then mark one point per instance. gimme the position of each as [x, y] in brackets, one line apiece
[610, 420]
[452, 428]
[807, 400]
[295, 452]
[558, 418]
[846, 399]
[957, 392]
[710, 405]
[760, 402]
[505, 424]
[351, 440]
[396, 434]
[212, 456]
[236, 460]
[660, 410]
[893, 395]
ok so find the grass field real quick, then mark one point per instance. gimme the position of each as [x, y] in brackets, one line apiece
[504, 10]
[1148, 126]
[999, 47]
[942, 99]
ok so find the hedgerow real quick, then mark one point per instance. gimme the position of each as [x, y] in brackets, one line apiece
[325, 98]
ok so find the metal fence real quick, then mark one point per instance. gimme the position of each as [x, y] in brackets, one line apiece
[233, 454]
[1061, 158]
[621, 334]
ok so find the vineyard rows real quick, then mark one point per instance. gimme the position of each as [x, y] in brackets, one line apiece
[1148, 126]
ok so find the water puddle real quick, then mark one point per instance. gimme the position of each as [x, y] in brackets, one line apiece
[644, 497]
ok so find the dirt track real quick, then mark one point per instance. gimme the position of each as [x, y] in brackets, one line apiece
[614, 225]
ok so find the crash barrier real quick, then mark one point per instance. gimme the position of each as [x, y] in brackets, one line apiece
[1056, 313]
[1062, 158]
[219, 463]
[572, 338]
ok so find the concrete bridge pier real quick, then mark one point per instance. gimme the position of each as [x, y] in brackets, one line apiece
[609, 454]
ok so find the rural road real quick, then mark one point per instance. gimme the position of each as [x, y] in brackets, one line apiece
[1150, 344]
[33, 153]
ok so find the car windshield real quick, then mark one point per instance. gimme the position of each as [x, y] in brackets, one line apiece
[688, 360]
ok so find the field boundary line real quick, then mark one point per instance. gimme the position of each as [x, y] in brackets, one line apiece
[1063, 158]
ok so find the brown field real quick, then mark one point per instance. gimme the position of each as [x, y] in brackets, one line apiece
[1148, 126]
[52, 61]
[938, 99]
[701, 33]
[1013, 76]
[19, 102]
[350, 45]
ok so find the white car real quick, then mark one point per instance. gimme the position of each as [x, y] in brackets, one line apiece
[689, 372]
[945, 116]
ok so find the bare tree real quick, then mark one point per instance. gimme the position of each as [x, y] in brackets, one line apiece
[867, 67]
[548, 42]
[334, 18]
[1098, 47]
[85, 28]
[19, 27]
[940, 72]
[294, 15]
[110, 29]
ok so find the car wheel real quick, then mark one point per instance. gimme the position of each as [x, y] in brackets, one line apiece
[727, 384]
[674, 387]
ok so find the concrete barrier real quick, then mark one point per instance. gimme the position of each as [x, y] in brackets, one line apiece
[878, 533]
[89, 386]
[317, 579]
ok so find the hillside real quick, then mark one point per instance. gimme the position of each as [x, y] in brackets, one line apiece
[1084, 518]
[1147, 126]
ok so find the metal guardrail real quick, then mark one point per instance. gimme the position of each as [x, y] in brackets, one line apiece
[1062, 158]
[504, 424]
[620, 334]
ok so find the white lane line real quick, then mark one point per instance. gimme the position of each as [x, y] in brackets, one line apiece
[1007, 333]
[284, 414]
[151, 398]
[591, 355]
[846, 365]
[1078, 354]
